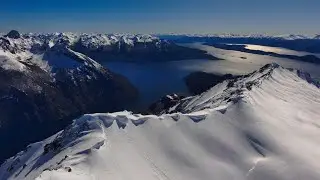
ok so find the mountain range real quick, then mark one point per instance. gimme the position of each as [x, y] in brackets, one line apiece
[261, 125]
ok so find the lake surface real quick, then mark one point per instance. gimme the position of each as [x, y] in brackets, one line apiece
[279, 50]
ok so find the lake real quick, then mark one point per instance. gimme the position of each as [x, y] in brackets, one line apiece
[156, 79]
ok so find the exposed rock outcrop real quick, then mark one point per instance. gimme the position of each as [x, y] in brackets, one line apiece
[164, 104]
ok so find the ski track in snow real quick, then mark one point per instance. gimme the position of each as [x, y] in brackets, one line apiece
[253, 167]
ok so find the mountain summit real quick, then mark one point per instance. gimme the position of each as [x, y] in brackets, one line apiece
[13, 34]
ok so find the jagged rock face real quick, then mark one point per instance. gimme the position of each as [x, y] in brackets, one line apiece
[6, 46]
[36, 100]
[13, 34]
[199, 82]
[163, 105]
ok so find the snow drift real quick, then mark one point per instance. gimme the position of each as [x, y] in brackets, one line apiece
[264, 125]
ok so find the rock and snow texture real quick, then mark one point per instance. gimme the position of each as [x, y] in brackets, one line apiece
[15, 49]
[45, 85]
[261, 126]
[100, 47]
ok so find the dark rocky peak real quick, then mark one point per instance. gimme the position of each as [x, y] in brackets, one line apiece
[269, 67]
[164, 104]
[63, 41]
[13, 34]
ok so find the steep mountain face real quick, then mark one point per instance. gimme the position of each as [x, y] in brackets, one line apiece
[42, 91]
[260, 126]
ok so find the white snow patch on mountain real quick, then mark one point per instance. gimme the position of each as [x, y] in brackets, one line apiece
[261, 126]
[10, 62]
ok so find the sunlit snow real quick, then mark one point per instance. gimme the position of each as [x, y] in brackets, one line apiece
[268, 129]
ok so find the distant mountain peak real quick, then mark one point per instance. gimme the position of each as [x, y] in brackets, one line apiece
[317, 36]
[14, 34]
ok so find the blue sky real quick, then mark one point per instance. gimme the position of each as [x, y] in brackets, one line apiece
[162, 16]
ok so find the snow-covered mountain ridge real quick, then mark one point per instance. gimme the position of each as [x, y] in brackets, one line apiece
[234, 89]
[28, 41]
[100, 47]
[30, 47]
[260, 126]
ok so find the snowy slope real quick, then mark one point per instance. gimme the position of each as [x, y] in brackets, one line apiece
[261, 126]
